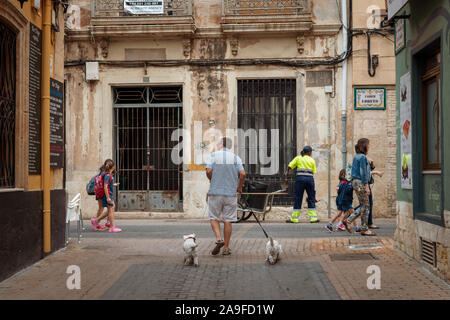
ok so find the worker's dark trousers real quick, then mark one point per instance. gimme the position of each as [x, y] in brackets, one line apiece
[303, 183]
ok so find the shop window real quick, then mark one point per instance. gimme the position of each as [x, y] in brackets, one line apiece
[428, 185]
[431, 112]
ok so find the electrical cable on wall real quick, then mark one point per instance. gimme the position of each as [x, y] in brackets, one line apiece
[372, 60]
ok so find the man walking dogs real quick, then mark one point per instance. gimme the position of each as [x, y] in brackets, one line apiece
[227, 175]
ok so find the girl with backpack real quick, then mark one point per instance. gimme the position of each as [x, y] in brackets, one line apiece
[104, 184]
[344, 201]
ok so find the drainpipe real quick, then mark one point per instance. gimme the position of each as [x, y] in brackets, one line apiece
[344, 84]
[329, 91]
[45, 120]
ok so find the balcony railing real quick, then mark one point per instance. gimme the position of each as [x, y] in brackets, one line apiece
[266, 16]
[264, 7]
[110, 19]
[114, 8]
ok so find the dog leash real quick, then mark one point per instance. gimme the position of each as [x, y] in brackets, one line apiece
[257, 220]
[206, 207]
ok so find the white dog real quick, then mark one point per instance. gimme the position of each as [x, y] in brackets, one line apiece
[190, 250]
[273, 251]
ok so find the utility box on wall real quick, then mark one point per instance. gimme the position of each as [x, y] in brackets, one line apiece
[91, 71]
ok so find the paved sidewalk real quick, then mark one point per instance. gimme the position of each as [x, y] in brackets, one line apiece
[145, 262]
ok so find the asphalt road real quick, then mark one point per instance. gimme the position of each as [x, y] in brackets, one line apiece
[172, 229]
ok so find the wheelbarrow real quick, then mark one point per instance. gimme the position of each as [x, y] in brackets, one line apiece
[257, 200]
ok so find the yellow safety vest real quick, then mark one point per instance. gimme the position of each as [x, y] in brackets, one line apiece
[305, 165]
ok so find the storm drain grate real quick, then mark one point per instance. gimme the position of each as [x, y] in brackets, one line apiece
[428, 251]
[352, 256]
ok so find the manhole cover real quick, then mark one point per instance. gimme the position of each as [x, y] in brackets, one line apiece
[352, 256]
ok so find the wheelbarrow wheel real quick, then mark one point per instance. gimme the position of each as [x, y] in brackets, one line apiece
[245, 217]
[242, 215]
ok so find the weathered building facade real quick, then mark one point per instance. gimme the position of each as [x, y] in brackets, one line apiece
[205, 65]
[423, 114]
[32, 195]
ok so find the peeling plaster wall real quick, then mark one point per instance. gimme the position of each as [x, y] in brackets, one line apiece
[207, 13]
[325, 11]
[210, 96]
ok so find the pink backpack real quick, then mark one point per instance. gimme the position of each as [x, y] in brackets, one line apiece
[99, 187]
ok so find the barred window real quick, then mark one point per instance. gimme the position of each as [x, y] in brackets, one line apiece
[7, 105]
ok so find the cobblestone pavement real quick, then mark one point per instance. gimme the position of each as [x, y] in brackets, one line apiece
[145, 262]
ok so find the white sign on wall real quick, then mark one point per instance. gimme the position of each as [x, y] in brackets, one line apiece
[144, 6]
[91, 70]
[400, 38]
[405, 131]
[394, 6]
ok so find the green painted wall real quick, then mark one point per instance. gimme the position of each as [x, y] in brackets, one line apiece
[403, 66]
[428, 18]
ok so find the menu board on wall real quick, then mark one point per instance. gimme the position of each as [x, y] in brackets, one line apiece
[34, 106]
[405, 131]
[56, 124]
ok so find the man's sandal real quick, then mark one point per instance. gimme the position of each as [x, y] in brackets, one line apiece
[219, 245]
[226, 252]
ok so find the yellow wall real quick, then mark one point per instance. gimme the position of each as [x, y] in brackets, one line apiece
[35, 17]
[385, 72]
[34, 181]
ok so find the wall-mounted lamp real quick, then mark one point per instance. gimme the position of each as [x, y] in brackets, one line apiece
[21, 3]
[372, 59]
[55, 16]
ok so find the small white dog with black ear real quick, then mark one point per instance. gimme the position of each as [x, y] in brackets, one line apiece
[190, 250]
[273, 251]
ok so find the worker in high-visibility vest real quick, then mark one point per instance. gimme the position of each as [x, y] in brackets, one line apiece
[305, 167]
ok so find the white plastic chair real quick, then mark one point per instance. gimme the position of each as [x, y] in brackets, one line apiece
[73, 213]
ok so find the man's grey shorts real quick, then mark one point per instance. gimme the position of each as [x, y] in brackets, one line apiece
[222, 205]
